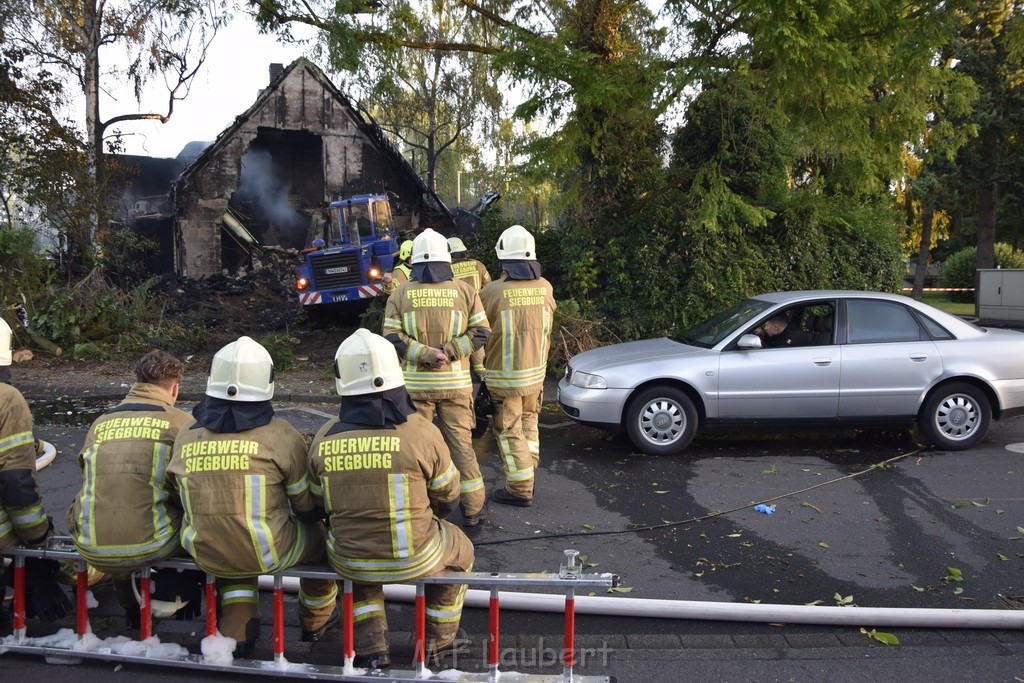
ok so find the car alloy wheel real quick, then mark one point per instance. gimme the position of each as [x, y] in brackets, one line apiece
[661, 420]
[955, 417]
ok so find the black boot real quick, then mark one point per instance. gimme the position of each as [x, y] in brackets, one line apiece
[374, 660]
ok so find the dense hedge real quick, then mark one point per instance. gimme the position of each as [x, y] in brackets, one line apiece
[959, 269]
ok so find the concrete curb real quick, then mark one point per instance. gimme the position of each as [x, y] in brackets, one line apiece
[35, 391]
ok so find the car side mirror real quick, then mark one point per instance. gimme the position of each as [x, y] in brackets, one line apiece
[749, 341]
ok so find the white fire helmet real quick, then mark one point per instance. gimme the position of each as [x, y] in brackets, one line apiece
[366, 363]
[5, 343]
[516, 244]
[430, 246]
[456, 245]
[241, 371]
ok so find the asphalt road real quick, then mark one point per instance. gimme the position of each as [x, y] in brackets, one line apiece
[866, 519]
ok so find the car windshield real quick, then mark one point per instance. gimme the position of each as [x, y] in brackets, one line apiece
[717, 328]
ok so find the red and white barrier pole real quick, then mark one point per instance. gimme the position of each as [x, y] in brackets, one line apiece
[492, 635]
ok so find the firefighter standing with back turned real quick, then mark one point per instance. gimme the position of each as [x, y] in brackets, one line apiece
[466, 268]
[243, 480]
[436, 323]
[385, 477]
[126, 515]
[521, 308]
[23, 519]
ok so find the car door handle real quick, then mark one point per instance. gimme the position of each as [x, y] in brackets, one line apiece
[823, 362]
[918, 357]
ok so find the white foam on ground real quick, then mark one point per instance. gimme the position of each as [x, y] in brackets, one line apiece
[119, 645]
[218, 649]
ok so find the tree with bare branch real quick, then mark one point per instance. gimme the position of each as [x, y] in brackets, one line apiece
[91, 45]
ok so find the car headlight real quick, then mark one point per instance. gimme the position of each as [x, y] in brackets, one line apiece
[586, 380]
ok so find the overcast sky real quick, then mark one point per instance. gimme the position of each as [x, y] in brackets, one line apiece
[237, 68]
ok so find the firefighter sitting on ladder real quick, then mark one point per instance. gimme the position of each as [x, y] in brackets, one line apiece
[123, 518]
[436, 323]
[243, 480]
[387, 481]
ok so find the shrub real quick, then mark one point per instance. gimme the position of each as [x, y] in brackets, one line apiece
[373, 317]
[574, 333]
[92, 311]
[281, 347]
[959, 269]
[25, 272]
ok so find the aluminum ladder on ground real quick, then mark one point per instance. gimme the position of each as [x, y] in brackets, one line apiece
[569, 578]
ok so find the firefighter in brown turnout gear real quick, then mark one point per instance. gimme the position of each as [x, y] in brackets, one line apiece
[384, 474]
[466, 268]
[23, 519]
[521, 307]
[436, 323]
[126, 515]
[248, 509]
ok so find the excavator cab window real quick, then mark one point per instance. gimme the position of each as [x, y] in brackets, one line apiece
[382, 218]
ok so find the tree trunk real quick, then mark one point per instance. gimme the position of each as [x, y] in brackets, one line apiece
[988, 199]
[924, 252]
[91, 37]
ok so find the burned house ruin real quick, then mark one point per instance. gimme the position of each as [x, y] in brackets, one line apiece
[267, 179]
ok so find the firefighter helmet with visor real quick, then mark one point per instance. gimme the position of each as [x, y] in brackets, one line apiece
[516, 244]
[456, 246]
[366, 363]
[405, 251]
[241, 371]
[430, 246]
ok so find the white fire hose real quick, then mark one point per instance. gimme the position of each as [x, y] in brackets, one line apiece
[724, 611]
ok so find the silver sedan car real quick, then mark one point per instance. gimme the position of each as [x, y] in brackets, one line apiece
[826, 357]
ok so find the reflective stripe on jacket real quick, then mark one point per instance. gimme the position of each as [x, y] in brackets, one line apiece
[399, 274]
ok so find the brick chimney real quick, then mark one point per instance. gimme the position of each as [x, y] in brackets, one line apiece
[275, 71]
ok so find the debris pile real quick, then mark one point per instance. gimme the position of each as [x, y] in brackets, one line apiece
[255, 300]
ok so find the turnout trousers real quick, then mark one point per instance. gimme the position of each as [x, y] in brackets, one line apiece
[238, 598]
[515, 429]
[444, 602]
[457, 420]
